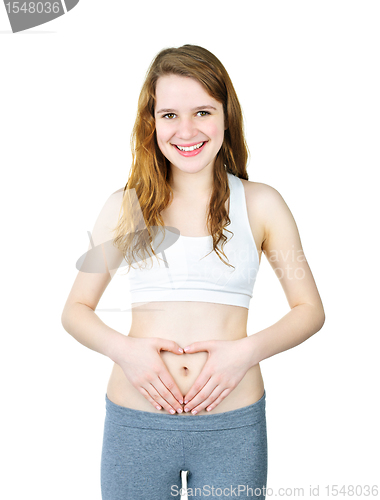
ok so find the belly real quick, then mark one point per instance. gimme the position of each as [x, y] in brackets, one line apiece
[226, 324]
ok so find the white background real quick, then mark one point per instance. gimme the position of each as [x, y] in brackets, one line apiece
[307, 76]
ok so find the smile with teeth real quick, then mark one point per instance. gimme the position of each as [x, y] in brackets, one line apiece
[191, 148]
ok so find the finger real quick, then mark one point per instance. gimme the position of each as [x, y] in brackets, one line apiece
[160, 395]
[158, 391]
[147, 396]
[166, 398]
[223, 395]
[198, 385]
[202, 395]
[151, 393]
[206, 401]
[168, 381]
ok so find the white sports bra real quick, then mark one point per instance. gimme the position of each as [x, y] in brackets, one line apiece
[183, 272]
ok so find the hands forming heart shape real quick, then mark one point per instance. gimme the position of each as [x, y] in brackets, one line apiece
[228, 361]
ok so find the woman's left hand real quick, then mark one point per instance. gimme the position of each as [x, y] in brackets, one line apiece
[228, 362]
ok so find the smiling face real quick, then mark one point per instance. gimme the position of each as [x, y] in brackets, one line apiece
[189, 123]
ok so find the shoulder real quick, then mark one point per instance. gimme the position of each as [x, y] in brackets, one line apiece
[267, 206]
[118, 194]
[262, 196]
[110, 208]
[116, 198]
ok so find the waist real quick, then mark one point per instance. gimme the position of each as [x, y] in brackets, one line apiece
[121, 392]
[248, 415]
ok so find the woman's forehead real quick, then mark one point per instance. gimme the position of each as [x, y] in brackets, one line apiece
[179, 92]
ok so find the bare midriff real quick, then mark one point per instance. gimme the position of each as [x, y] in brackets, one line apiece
[185, 323]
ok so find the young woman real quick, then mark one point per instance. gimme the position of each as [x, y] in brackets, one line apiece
[186, 391]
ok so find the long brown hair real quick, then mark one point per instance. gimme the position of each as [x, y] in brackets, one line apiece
[150, 171]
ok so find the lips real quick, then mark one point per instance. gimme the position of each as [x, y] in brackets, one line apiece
[192, 152]
[189, 147]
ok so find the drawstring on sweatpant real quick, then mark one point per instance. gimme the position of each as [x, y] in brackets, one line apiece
[184, 474]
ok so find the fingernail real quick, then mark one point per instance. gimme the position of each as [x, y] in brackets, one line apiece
[194, 412]
[179, 410]
[158, 407]
[187, 409]
[172, 411]
[186, 349]
[186, 401]
[180, 349]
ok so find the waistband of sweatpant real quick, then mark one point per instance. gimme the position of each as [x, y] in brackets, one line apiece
[248, 415]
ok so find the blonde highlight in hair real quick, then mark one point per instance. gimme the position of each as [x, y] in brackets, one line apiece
[150, 171]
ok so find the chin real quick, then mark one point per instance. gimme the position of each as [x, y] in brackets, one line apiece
[189, 169]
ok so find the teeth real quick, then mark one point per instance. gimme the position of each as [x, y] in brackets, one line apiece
[191, 148]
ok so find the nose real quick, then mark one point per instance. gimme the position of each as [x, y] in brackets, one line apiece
[186, 129]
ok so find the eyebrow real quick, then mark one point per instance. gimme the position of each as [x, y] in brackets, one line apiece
[198, 108]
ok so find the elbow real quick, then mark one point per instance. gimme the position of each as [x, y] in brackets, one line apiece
[323, 315]
[320, 319]
[64, 319]
[317, 317]
[323, 319]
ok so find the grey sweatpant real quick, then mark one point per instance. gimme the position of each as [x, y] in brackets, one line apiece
[144, 453]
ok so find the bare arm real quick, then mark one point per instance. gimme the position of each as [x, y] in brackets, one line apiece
[283, 249]
[78, 317]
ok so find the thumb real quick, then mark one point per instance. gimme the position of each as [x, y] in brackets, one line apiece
[170, 345]
[197, 347]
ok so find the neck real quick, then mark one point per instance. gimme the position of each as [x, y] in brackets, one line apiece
[190, 185]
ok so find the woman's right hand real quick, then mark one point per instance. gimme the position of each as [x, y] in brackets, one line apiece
[140, 360]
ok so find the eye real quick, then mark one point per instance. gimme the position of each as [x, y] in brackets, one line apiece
[168, 115]
[205, 113]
